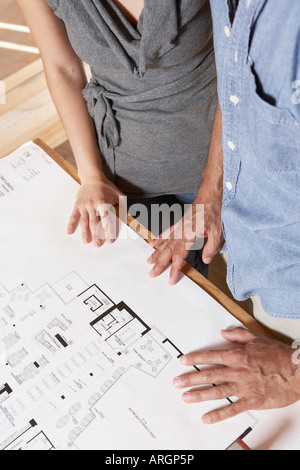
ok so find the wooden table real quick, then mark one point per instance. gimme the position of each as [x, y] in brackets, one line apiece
[232, 307]
[235, 310]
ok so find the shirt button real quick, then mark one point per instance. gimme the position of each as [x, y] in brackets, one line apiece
[229, 185]
[227, 31]
[231, 145]
[236, 56]
[234, 99]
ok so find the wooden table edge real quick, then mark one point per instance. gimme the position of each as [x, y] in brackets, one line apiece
[234, 309]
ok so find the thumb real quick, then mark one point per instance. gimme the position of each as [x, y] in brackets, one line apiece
[239, 335]
[211, 248]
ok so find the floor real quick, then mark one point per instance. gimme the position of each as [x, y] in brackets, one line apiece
[18, 49]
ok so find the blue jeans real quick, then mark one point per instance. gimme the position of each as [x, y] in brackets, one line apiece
[194, 257]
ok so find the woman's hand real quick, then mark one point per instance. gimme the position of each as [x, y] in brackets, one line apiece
[92, 209]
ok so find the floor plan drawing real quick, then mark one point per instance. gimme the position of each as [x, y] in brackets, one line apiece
[93, 343]
[89, 345]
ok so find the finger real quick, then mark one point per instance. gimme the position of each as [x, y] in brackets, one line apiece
[208, 376]
[239, 335]
[108, 218]
[94, 221]
[73, 222]
[103, 209]
[85, 228]
[211, 247]
[217, 392]
[153, 258]
[156, 254]
[176, 267]
[166, 236]
[162, 262]
[226, 412]
[109, 224]
[100, 232]
[157, 242]
[214, 357]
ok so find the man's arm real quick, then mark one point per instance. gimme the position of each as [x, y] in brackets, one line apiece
[263, 373]
[209, 199]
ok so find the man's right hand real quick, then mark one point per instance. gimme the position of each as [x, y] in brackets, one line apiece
[202, 220]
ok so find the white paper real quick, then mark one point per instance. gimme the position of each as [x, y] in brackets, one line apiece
[89, 343]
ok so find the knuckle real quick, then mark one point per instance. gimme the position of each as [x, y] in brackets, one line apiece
[158, 266]
[207, 376]
[220, 392]
[90, 203]
[238, 355]
[187, 381]
[255, 401]
[207, 357]
[83, 220]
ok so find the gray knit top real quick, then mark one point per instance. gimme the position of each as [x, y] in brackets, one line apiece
[153, 90]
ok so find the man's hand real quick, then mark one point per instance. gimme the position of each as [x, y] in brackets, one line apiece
[259, 371]
[202, 220]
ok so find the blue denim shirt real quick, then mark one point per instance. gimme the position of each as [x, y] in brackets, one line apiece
[257, 46]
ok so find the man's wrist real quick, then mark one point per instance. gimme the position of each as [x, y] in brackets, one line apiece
[211, 189]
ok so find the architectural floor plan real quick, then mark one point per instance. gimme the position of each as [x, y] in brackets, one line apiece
[65, 347]
[89, 345]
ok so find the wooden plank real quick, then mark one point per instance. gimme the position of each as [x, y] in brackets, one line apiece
[36, 117]
[26, 73]
[196, 277]
[23, 92]
[13, 60]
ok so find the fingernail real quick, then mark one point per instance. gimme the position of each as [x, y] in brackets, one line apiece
[183, 360]
[207, 260]
[206, 419]
[177, 382]
[96, 244]
[152, 273]
[188, 397]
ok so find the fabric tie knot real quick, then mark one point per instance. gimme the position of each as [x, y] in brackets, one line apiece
[100, 109]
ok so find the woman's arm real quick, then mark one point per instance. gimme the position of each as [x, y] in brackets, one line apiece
[66, 78]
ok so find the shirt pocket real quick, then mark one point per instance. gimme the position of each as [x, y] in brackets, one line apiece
[274, 133]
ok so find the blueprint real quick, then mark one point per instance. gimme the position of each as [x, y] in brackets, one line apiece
[89, 345]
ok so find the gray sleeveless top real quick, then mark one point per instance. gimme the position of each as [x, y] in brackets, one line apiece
[153, 90]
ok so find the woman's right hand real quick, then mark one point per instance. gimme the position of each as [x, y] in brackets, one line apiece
[92, 210]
